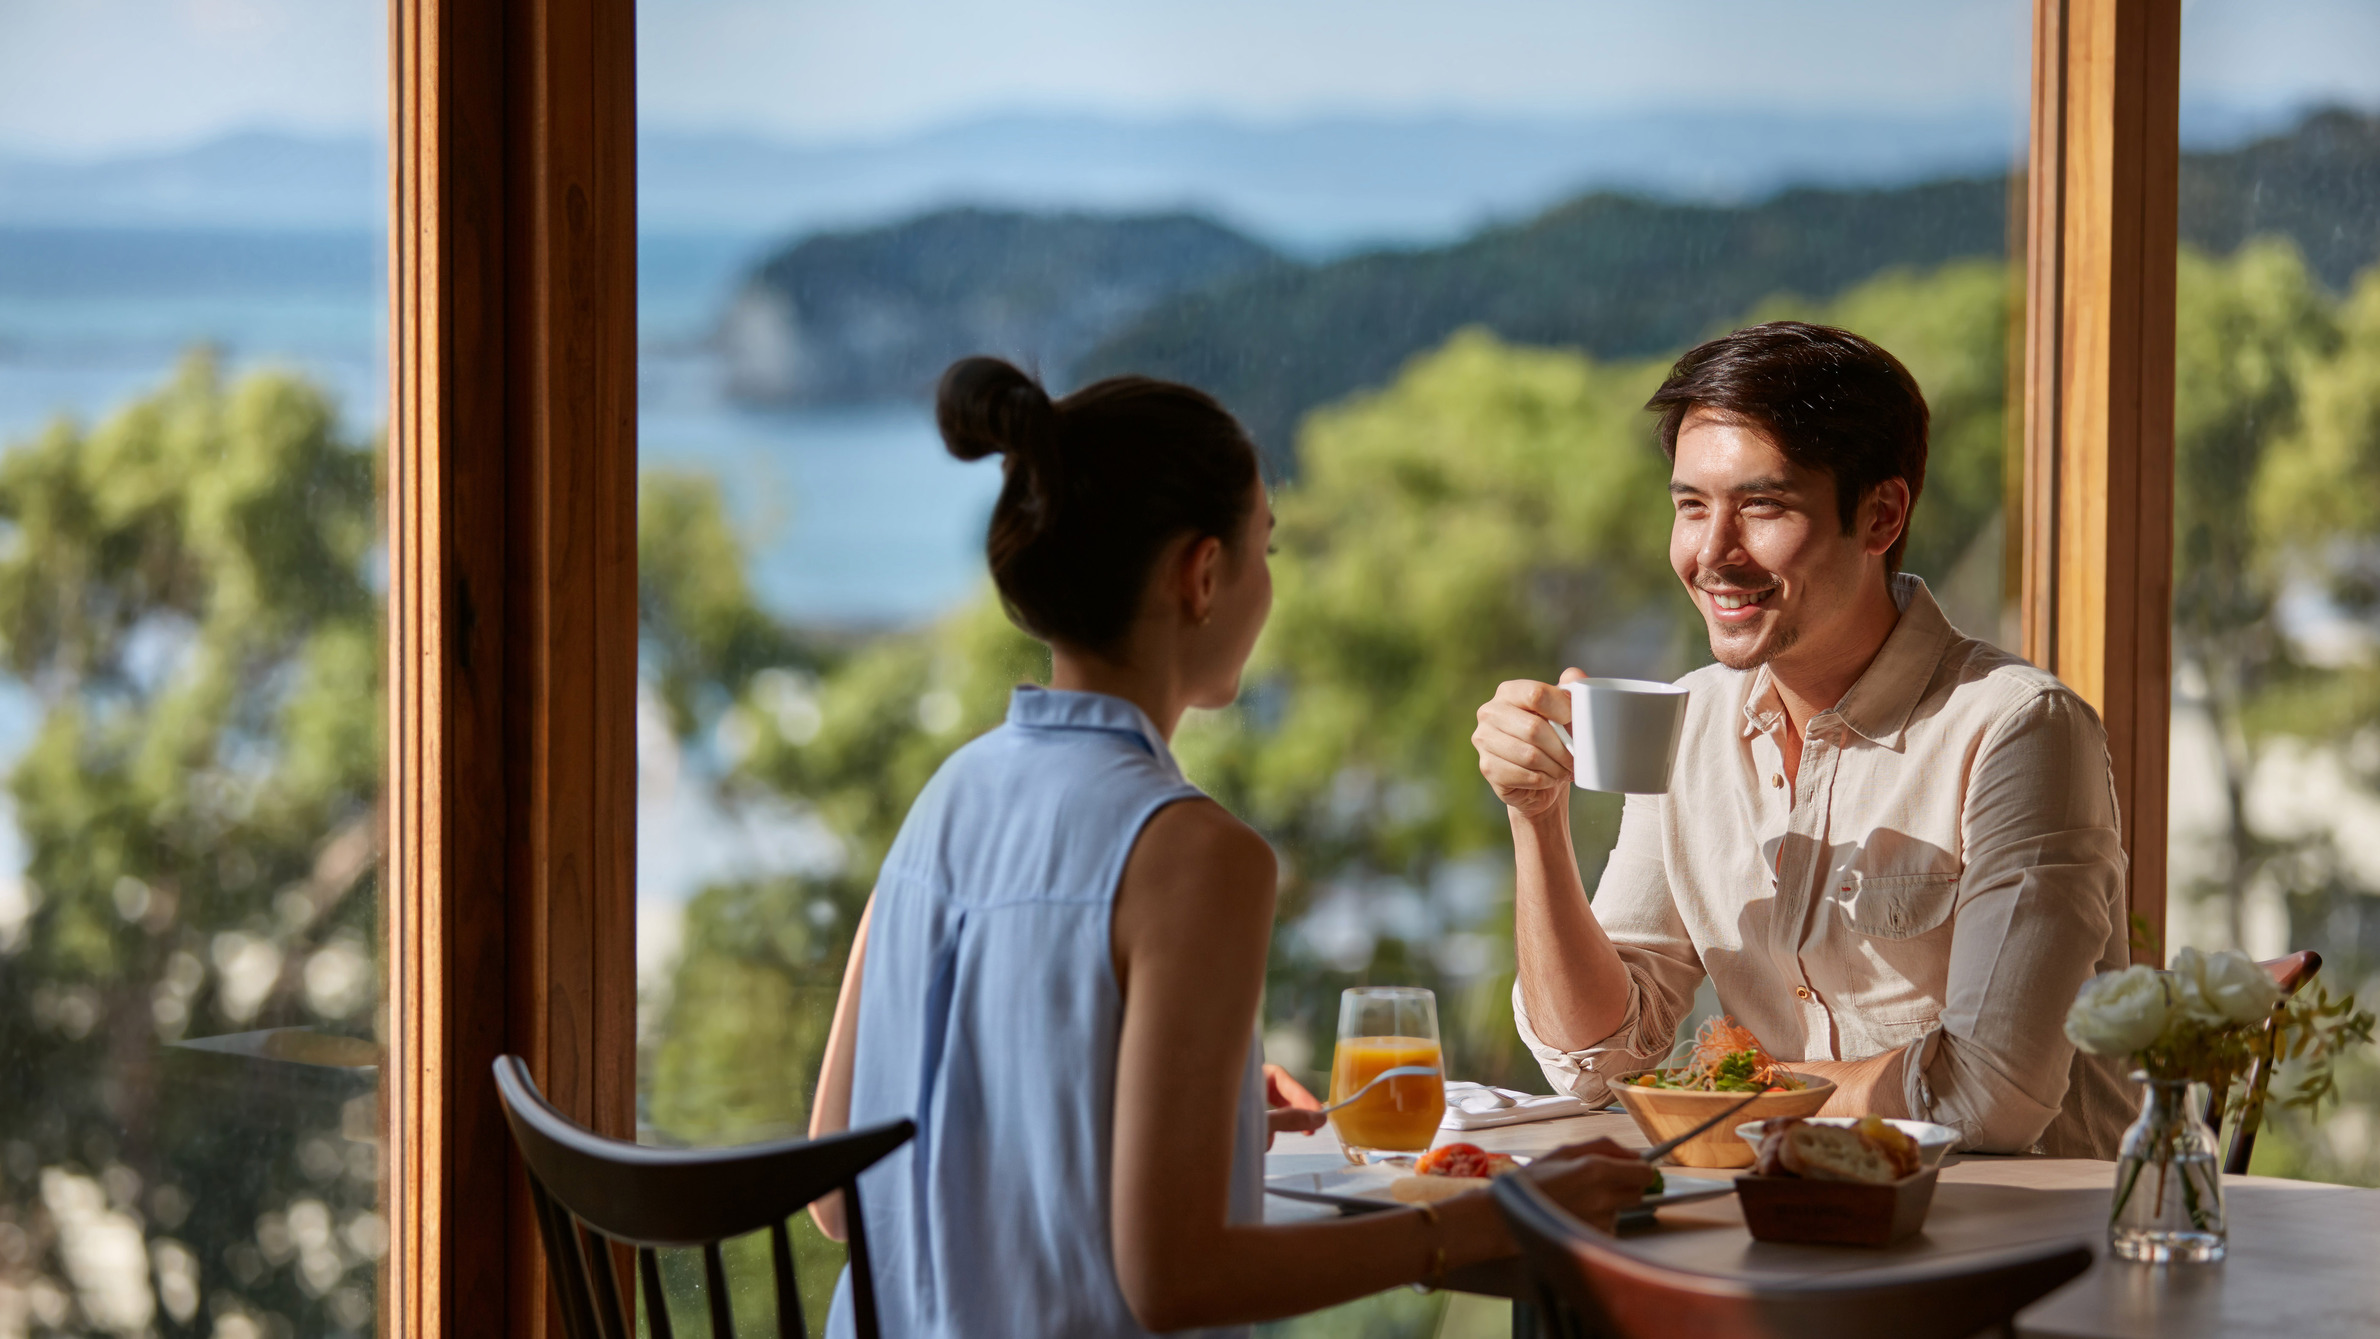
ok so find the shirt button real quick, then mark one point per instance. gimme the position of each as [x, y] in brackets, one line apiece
[1801, 992]
[1777, 780]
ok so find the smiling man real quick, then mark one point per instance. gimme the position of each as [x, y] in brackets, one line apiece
[1891, 847]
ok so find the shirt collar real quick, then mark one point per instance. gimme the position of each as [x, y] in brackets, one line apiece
[1878, 706]
[1031, 707]
[1764, 711]
[1880, 702]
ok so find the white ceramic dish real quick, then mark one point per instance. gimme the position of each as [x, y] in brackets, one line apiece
[1365, 1189]
[1932, 1140]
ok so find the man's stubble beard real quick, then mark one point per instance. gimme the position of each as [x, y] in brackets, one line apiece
[1763, 652]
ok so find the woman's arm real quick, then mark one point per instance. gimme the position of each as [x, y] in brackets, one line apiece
[1193, 918]
[830, 1109]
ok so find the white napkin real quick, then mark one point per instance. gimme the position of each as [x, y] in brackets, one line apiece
[1476, 1106]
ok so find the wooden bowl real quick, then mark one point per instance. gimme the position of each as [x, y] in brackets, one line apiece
[1664, 1113]
[1835, 1213]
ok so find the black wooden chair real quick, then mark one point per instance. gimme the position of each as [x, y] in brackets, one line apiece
[2291, 974]
[590, 1191]
[1589, 1286]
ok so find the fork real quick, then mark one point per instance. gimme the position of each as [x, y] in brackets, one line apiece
[1400, 1072]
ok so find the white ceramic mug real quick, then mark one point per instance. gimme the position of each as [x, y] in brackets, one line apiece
[1624, 733]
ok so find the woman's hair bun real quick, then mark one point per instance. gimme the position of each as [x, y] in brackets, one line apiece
[1092, 488]
[986, 406]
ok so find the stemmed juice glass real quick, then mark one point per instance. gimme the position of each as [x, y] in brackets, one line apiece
[1382, 1027]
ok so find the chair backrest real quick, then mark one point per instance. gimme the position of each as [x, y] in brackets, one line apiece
[2291, 974]
[583, 1183]
[1584, 1276]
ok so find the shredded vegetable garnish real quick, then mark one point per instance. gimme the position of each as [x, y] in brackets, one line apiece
[1726, 1058]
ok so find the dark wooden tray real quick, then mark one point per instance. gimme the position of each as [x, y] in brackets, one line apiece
[1835, 1213]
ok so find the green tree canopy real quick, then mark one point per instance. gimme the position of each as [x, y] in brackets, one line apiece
[2299, 498]
[187, 591]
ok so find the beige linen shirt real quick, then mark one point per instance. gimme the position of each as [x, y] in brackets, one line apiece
[1943, 876]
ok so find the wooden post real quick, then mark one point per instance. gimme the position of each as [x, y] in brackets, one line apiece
[512, 625]
[2098, 551]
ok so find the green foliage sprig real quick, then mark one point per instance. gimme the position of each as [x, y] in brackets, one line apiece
[2316, 1031]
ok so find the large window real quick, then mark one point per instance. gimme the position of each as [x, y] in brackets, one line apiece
[192, 374]
[1435, 257]
[2276, 634]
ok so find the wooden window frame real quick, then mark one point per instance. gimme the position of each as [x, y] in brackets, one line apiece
[2097, 588]
[512, 624]
[512, 525]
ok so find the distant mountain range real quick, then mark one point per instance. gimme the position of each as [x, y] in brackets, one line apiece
[1612, 274]
[253, 180]
[1313, 186]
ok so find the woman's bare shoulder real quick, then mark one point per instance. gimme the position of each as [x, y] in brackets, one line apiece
[1194, 865]
[1200, 835]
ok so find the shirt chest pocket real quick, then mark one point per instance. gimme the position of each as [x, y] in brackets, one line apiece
[1894, 906]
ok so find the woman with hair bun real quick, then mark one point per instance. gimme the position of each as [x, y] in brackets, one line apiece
[1059, 972]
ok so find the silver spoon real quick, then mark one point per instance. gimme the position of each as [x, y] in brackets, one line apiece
[1400, 1072]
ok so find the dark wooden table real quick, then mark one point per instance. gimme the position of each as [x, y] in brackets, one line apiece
[2304, 1260]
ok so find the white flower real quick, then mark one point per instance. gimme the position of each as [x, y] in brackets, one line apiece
[2119, 1013]
[2222, 988]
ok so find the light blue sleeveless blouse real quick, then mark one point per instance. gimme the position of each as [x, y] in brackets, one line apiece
[989, 1014]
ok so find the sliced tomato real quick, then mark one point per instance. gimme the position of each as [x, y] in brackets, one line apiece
[1463, 1160]
[1454, 1160]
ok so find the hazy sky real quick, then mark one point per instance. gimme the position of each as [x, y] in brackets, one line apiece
[95, 76]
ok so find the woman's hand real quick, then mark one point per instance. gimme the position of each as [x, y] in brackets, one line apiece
[1519, 753]
[1594, 1181]
[1290, 1109]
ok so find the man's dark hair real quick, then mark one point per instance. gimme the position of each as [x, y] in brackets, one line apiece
[1829, 400]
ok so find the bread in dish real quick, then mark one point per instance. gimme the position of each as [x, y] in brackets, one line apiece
[1870, 1153]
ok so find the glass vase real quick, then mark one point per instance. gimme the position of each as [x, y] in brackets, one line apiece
[2169, 1185]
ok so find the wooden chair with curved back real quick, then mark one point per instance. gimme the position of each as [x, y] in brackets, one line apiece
[2291, 974]
[590, 1191]
[1588, 1285]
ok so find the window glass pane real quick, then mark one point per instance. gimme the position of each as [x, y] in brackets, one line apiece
[192, 383]
[2276, 619]
[1436, 257]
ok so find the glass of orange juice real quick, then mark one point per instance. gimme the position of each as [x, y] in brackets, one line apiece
[1382, 1027]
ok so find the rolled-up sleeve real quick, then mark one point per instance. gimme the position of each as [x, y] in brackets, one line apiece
[2039, 903]
[1634, 905]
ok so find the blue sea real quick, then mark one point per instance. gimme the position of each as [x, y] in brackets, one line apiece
[854, 517]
